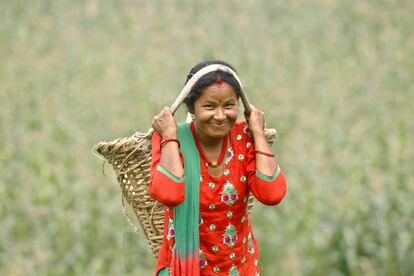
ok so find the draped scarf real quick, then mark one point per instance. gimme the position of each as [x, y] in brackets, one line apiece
[185, 255]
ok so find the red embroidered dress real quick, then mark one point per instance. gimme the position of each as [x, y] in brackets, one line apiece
[227, 244]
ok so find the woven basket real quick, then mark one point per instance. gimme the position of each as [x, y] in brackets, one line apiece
[130, 158]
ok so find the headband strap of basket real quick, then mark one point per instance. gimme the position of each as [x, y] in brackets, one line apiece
[204, 71]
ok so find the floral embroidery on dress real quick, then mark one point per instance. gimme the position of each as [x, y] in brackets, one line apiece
[246, 130]
[229, 194]
[250, 245]
[226, 172]
[203, 260]
[229, 156]
[233, 271]
[171, 231]
[230, 235]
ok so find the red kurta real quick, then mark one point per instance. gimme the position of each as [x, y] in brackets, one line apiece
[227, 243]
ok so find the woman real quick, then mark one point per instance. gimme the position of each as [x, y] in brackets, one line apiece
[203, 171]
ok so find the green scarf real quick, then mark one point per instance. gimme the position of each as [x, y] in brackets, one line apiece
[186, 215]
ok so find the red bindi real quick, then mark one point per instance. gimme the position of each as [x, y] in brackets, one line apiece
[219, 81]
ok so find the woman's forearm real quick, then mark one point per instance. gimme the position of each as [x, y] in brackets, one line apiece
[267, 165]
[170, 159]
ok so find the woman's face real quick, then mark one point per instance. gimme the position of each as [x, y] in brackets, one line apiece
[216, 110]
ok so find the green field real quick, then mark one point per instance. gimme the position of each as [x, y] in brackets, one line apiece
[335, 78]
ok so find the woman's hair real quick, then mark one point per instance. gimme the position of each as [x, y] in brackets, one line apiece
[208, 80]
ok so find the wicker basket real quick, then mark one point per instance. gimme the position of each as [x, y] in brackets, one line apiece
[130, 158]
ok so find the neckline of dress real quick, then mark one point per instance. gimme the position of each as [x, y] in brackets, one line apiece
[209, 163]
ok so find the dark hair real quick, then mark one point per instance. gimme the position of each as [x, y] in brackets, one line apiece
[208, 80]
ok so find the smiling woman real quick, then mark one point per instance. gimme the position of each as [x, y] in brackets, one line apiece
[215, 112]
[204, 171]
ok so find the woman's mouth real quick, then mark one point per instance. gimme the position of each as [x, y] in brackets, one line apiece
[219, 125]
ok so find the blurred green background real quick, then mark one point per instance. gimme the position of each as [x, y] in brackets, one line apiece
[334, 77]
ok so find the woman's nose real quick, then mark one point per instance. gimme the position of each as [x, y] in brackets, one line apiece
[219, 114]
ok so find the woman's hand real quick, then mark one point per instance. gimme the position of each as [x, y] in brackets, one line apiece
[265, 164]
[256, 121]
[164, 123]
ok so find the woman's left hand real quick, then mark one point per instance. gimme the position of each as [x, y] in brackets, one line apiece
[256, 120]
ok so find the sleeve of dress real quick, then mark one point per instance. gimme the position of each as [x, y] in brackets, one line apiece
[164, 186]
[269, 190]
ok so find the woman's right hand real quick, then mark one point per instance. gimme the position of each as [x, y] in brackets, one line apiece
[164, 123]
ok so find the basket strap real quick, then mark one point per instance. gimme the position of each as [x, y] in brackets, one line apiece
[208, 69]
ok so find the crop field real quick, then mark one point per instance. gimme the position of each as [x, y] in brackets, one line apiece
[335, 78]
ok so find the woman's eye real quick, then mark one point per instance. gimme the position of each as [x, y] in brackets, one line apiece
[208, 106]
[229, 105]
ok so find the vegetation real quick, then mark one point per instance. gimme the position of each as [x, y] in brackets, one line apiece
[334, 78]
